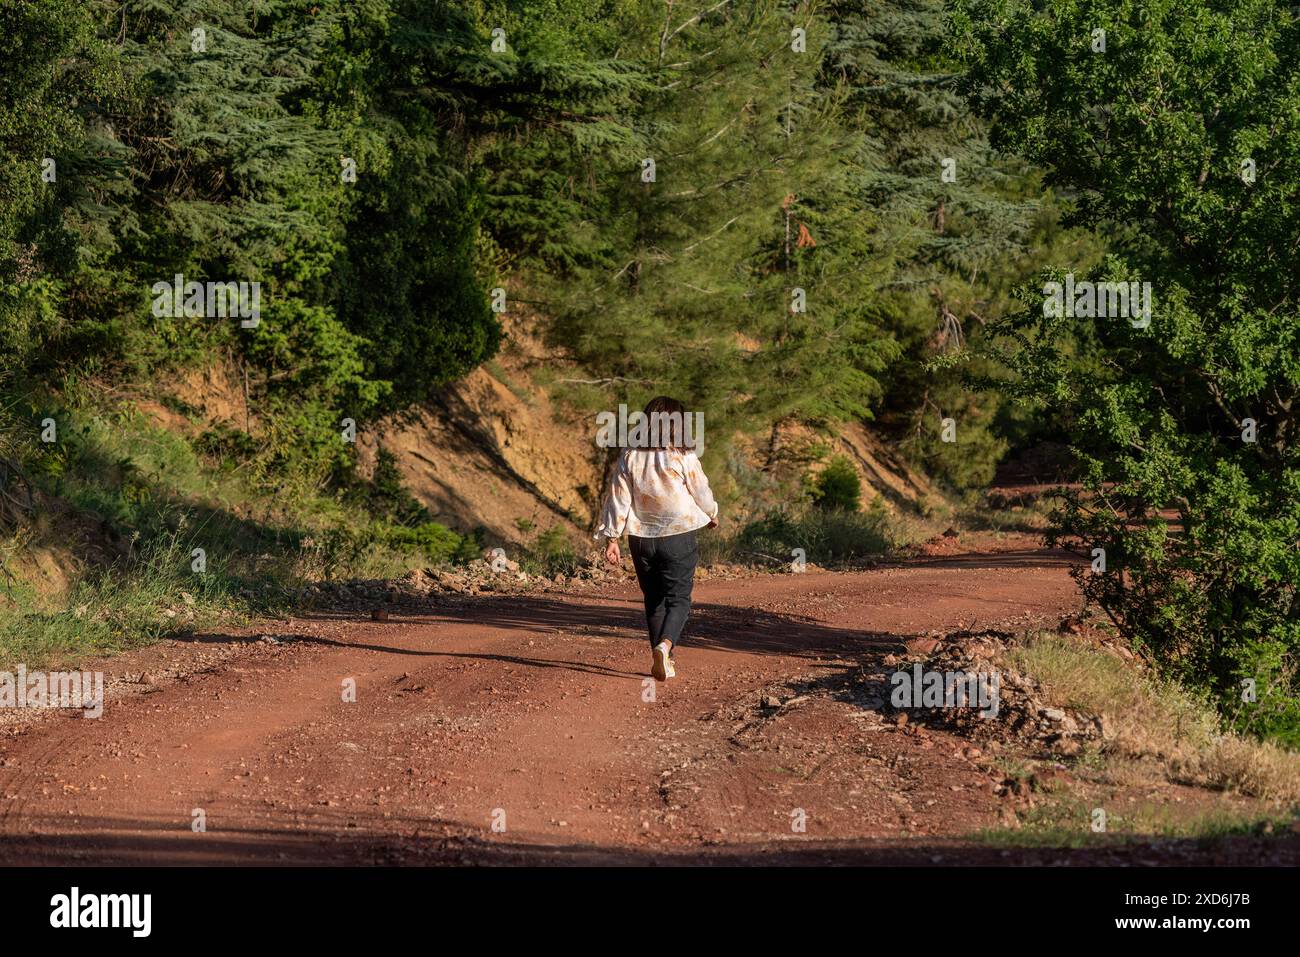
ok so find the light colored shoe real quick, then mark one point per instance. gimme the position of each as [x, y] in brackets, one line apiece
[670, 667]
[662, 669]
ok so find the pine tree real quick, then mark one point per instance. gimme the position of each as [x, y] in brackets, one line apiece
[740, 276]
[964, 222]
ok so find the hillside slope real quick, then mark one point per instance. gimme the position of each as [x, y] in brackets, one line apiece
[495, 450]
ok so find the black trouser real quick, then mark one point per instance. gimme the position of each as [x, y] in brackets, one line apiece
[665, 569]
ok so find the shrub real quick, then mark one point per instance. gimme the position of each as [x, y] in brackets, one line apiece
[551, 553]
[438, 544]
[826, 537]
[838, 486]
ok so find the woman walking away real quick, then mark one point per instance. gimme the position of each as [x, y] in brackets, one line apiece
[660, 496]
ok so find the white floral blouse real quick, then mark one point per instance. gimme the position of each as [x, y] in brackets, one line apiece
[657, 492]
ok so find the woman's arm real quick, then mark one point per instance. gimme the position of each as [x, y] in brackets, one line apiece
[618, 504]
[697, 483]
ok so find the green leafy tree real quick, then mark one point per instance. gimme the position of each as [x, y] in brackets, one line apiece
[60, 168]
[1175, 124]
[458, 139]
[212, 139]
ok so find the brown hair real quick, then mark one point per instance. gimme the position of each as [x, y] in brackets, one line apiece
[663, 411]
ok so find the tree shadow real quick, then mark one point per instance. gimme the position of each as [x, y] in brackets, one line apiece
[1012, 559]
[337, 838]
[714, 626]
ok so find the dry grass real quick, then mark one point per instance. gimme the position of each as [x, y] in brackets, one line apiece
[1155, 724]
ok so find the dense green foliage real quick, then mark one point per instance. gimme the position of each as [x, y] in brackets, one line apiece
[219, 142]
[379, 167]
[750, 209]
[838, 486]
[1185, 429]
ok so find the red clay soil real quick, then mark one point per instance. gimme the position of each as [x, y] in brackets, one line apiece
[531, 711]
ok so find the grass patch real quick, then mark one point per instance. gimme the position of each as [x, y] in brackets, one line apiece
[550, 553]
[828, 537]
[125, 503]
[978, 516]
[1155, 723]
[1067, 822]
[151, 594]
[500, 374]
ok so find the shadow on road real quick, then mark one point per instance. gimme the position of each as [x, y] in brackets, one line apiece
[349, 839]
[1014, 559]
[566, 622]
[563, 624]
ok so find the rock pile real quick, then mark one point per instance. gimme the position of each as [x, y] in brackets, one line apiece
[487, 575]
[1023, 708]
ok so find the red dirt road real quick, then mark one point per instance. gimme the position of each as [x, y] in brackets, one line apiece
[530, 711]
